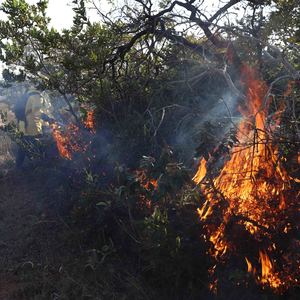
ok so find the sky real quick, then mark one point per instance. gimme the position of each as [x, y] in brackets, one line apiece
[61, 13]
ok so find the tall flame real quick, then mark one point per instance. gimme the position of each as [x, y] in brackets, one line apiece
[252, 187]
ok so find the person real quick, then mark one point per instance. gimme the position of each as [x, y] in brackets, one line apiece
[29, 110]
[6, 117]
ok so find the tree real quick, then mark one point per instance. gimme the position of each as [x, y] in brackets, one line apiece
[118, 64]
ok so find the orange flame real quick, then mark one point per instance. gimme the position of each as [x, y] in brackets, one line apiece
[67, 142]
[253, 185]
[267, 274]
[147, 183]
[201, 172]
[61, 142]
[250, 269]
[90, 121]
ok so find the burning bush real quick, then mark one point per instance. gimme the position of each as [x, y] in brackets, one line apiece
[251, 207]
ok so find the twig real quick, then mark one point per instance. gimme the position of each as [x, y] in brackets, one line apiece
[161, 120]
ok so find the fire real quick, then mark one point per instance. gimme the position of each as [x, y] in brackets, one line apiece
[67, 141]
[252, 189]
[267, 274]
[148, 183]
[250, 269]
[61, 142]
[70, 139]
[90, 121]
[201, 172]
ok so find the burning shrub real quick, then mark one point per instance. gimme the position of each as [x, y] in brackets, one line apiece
[253, 200]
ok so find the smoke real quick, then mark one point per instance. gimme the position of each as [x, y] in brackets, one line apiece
[183, 127]
[205, 124]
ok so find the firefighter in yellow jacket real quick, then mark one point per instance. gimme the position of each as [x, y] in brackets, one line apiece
[29, 111]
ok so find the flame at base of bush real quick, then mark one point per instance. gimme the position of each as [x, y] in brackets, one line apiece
[251, 208]
[68, 141]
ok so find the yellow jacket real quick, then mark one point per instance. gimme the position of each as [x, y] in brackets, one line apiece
[35, 106]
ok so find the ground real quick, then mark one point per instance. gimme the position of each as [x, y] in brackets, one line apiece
[42, 257]
[27, 232]
[43, 254]
[31, 228]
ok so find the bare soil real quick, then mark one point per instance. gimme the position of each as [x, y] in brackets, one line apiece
[31, 231]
